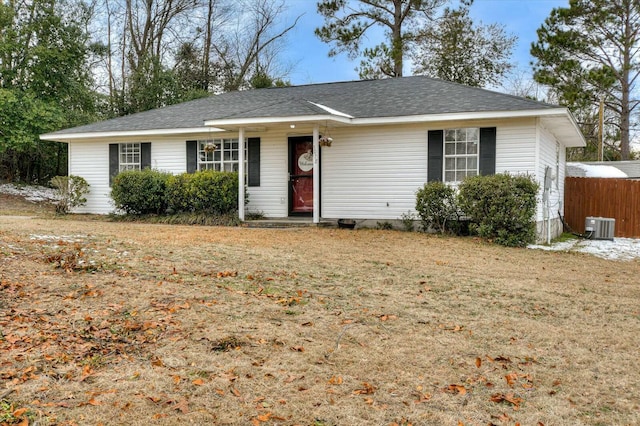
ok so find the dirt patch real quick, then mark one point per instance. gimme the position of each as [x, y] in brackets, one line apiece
[18, 206]
[158, 324]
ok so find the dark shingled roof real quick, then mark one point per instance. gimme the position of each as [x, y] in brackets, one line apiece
[360, 99]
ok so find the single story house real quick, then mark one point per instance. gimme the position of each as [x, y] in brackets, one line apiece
[357, 149]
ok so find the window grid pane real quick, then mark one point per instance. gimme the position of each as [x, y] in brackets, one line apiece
[219, 155]
[461, 153]
[129, 156]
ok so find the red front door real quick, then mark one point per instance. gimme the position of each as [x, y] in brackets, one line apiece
[301, 175]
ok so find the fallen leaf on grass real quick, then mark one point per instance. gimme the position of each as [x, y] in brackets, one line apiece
[94, 402]
[367, 389]
[511, 378]
[182, 406]
[423, 397]
[504, 417]
[387, 317]
[264, 417]
[290, 379]
[478, 362]
[224, 274]
[297, 348]
[456, 389]
[335, 380]
[198, 382]
[157, 362]
[19, 412]
[510, 398]
[86, 372]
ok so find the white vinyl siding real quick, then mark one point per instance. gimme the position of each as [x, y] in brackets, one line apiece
[550, 155]
[368, 172]
[169, 155]
[373, 173]
[516, 147]
[91, 161]
[271, 197]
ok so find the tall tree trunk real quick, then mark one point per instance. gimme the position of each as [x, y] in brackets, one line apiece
[206, 49]
[397, 44]
[625, 86]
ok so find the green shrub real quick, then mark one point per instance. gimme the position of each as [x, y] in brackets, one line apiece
[501, 207]
[437, 208]
[213, 192]
[71, 191]
[154, 192]
[178, 193]
[140, 192]
[407, 220]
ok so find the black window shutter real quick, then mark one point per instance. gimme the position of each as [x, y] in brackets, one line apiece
[192, 156]
[435, 162]
[145, 155]
[253, 162]
[114, 163]
[488, 151]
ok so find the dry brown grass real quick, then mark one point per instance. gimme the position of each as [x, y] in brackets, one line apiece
[154, 324]
[17, 205]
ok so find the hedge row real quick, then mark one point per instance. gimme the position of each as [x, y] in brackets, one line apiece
[154, 192]
[500, 207]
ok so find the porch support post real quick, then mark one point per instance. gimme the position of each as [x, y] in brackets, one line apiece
[241, 174]
[316, 174]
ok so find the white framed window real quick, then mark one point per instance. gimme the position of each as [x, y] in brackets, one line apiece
[461, 153]
[129, 156]
[219, 154]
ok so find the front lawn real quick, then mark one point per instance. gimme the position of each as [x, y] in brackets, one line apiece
[128, 323]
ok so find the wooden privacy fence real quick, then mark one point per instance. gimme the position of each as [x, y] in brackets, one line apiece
[603, 197]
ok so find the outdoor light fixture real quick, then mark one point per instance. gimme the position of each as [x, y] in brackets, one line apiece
[293, 126]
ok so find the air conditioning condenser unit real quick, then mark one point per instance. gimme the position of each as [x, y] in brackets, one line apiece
[599, 228]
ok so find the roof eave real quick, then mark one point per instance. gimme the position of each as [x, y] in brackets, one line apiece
[68, 137]
[227, 123]
[388, 119]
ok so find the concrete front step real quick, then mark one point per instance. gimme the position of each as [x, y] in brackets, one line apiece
[288, 223]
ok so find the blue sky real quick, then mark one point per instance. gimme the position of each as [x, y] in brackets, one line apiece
[308, 55]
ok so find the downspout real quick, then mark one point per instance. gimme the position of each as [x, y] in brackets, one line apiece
[316, 174]
[241, 174]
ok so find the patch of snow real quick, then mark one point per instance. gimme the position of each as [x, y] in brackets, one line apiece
[30, 193]
[599, 171]
[56, 238]
[618, 249]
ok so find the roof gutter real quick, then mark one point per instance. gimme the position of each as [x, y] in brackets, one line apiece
[222, 125]
[424, 118]
[68, 137]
